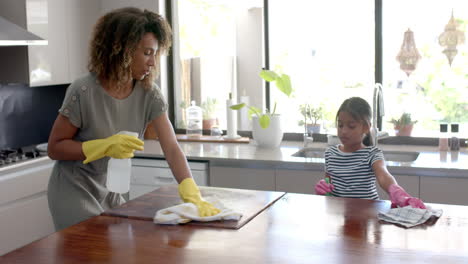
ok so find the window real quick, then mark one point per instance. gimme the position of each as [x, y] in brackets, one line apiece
[328, 49]
[331, 59]
[434, 92]
[218, 51]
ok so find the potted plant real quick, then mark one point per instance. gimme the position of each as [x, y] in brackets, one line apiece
[210, 108]
[404, 125]
[266, 125]
[311, 117]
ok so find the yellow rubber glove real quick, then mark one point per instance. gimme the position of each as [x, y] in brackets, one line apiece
[189, 193]
[116, 146]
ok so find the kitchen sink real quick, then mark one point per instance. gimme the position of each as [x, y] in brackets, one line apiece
[400, 156]
[310, 153]
[390, 155]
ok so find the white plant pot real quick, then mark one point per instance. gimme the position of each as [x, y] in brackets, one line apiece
[269, 137]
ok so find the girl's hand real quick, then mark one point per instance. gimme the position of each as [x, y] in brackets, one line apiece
[322, 187]
[401, 198]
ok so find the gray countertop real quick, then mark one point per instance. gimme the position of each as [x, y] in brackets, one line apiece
[430, 162]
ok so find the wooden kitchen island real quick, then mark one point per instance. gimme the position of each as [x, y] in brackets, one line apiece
[295, 229]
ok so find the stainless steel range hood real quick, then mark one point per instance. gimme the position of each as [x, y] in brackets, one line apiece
[14, 35]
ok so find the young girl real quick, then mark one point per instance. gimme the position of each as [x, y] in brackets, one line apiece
[354, 165]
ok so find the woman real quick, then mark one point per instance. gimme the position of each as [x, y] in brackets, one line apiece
[118, 94]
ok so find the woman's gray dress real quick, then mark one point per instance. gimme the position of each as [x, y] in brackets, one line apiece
[77, 191]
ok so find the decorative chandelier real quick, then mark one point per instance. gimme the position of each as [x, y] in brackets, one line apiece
[450, 38]
[408, 55]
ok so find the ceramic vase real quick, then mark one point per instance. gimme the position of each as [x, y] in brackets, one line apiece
[269, 137]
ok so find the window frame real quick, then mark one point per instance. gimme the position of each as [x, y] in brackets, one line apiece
[378, 72]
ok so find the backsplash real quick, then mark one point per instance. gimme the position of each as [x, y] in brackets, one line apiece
[28, 113]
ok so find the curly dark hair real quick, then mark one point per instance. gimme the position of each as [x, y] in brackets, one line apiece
[361, 111]
[115, 38]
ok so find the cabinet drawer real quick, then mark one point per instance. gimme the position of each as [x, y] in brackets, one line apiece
[444, 190]
[24, 221]
[152, 176]
[161, 163]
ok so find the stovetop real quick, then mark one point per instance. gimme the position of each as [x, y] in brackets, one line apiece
[12, 156]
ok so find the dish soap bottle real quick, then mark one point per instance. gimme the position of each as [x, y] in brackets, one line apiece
[443, 138]
[194, 116]
[119, 171]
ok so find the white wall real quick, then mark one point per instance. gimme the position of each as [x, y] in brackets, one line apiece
[108, 5]
[250, 55]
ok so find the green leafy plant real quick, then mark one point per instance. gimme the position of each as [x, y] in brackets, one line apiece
[283, 83]
[210, 107]
[311, 114]
[404, 120]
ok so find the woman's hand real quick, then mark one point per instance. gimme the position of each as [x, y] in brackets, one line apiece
[322, 187]
[117, 146]
[189, 193]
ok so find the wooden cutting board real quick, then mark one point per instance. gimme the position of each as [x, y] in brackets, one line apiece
[248, 202]
[217, 139]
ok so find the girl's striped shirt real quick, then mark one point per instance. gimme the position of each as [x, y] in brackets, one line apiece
[351, 173]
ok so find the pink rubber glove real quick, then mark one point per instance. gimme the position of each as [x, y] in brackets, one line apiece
[322, 187]
[400, 198]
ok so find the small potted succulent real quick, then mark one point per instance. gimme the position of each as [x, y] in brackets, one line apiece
[404, 125]
[210, 111]
[312, 116]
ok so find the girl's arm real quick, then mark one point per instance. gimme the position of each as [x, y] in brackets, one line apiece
[397, 194]
[384, 178]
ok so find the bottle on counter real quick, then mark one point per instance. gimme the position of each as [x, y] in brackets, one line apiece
[119, 171]
[443, 138]
[194, 115]
[454, 140]
[231, 131]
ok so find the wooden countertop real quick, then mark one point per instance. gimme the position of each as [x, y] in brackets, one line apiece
[296, 229]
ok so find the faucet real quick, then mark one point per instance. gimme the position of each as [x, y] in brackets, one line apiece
[308, 140]
[378, 104]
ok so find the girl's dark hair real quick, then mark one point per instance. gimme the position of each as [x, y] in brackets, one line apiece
[115, 38]
[360, 110]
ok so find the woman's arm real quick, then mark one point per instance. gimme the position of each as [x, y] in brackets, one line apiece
[384, 178]
[61, 146]
[172, 151]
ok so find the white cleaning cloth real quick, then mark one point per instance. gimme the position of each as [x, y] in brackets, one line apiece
[408, 216]
[186, 212]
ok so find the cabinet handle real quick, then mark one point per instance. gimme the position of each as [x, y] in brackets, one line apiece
[163, 179]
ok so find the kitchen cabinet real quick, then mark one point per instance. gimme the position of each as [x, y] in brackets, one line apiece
[444, 190]
[242, 178]
[150, 174]
[65, 24]
[297, 181]
[409, 183]
[24, 210]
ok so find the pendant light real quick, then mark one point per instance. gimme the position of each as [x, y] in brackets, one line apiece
[408, 55]
[450, 38]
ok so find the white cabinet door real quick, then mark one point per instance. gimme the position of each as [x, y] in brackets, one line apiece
[150, 174]
[81, 17]
[408, 182]
[24, 210]
[444, 190]
[297, 181]
[48, 64]
[242, 178]
[65, 24]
